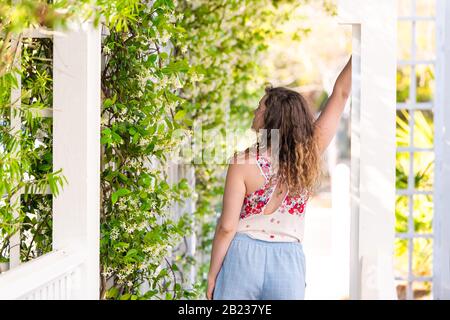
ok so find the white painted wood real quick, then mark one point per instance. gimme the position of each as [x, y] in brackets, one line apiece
[414, 62]
[340, 191]
[411, 186]
[417, 105]
[355, 284]
[35, 279]
[373, 146]
[38, 33]
[416, 18]
[188, 171]
[441, 221]
[76, 149]
[14, 241]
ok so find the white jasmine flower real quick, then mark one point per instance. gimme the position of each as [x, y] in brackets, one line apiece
[165, 36]
[114, 234]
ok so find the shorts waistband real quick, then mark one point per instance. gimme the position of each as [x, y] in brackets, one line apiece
[240, 236]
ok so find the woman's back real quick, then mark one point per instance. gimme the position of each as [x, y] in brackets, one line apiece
[268, 212]
[255, 179]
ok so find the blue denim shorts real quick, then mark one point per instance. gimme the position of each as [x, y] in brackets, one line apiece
[256, 269]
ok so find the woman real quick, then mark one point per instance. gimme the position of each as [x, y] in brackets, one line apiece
[257, 249]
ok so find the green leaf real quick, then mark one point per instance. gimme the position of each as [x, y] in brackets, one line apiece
[177, 66]
[163, 55]
[106, 136]
[123, 177]
[152, 59]
[107, 103]
[121, 245]
[180, 115]
[126, 296]
[152, 236]
[112, 293]
[132, 130]
[132, 252]
[119, 193]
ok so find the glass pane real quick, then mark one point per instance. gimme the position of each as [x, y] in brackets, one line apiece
[37, 74]
[423, 166]
[425, 40]
[422, 257]
[402, 133]
[423, 213]
[404, 8]
[425, 83]
[36, 229]
[6, 85]
[401, 258]
[402, 170]
[404, 29]
[37, 94]
[423, 128]
[403, 83]
[426, 8]
[401, 286]
[401, 214]
[422, 290]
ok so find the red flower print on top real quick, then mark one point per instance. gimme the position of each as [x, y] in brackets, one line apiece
[255, 202]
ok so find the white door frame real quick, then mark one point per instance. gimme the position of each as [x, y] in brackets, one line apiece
[441, 219]
[373, 147]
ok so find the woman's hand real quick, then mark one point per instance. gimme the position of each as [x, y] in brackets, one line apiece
[210, 288]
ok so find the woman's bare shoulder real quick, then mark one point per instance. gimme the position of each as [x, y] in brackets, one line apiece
[245, 157]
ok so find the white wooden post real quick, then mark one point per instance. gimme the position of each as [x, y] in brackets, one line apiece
[340, 192]
[188, 172]
[373, 146]
[441, 221]
[76, 149]
[16, 123]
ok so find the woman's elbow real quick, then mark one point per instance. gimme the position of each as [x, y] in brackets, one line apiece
[345, 94]
[227, 229]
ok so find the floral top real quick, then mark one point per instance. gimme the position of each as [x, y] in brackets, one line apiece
[285, 224]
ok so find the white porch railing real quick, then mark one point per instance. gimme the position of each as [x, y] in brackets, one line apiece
[74, 273]
[52, 276]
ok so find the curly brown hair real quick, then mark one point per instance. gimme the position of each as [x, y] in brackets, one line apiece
[299, 159]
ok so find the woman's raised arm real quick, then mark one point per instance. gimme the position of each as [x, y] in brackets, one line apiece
[328, 120]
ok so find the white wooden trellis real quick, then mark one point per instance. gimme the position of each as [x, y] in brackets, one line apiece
[71, 270]
[374, 24]
[412, 106]
[188, 172]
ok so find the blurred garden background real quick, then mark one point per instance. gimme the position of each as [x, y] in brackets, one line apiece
[167, 64]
